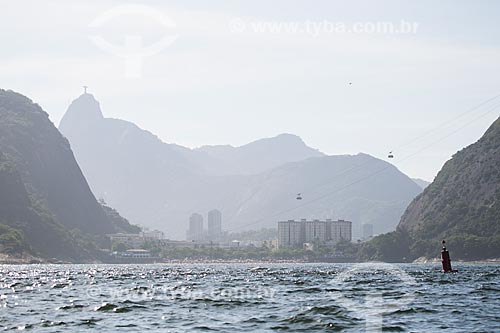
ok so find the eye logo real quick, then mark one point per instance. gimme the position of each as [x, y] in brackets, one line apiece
[133, 51]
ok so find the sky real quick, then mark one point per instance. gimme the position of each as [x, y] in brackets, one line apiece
[230, 72]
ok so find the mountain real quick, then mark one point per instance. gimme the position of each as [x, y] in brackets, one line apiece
[43, 194]
[114, 136]
[159, 185]
[257, 156]
[148, 181]
[461, 205]
[120, 224]
[359, 188]
[420, 182]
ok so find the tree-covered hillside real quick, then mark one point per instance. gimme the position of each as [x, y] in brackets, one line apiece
[46, 206]
[462, 205]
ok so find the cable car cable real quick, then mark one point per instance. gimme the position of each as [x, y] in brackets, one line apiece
[366, 177]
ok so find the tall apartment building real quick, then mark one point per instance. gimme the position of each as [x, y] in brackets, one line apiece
[293, 233]
[290, 232]
[214, 224]
[341, 230]
[195, 231]
[315, 231]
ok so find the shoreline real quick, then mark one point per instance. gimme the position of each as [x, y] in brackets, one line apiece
[20, 262]
[31, 260]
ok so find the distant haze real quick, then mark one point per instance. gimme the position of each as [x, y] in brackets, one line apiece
[160, 185]
[342, 93]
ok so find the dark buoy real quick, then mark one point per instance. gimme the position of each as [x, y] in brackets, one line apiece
[445, 260]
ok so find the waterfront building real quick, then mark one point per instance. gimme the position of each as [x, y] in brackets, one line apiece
[293, 233]
[195, 231]
[214, 224]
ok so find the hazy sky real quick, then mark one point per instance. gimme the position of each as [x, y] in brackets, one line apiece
[226, 80]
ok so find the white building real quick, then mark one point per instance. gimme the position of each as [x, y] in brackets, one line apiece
[195, 231]
[290, 233]
[153, 235]
[131, 240]
[341, 230]
[293, 233]
[214, 224]
[315, 231]
[137, 240]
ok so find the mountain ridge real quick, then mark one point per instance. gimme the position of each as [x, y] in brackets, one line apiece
[280, 149]
[421, 182]
[44, 195]
[160, 184]
[461, 205]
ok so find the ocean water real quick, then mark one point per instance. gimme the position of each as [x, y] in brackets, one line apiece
[249, 298]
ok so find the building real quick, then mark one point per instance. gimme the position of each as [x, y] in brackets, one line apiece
[344, 230]
[293, 233]
[367, 231]
[130, 240]
[271, 244]
[195, 231]
[290, 233]
[340, 230]
[136, 253]
[214, 224]
[315, 231]
[136, 240]
[153, 235]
